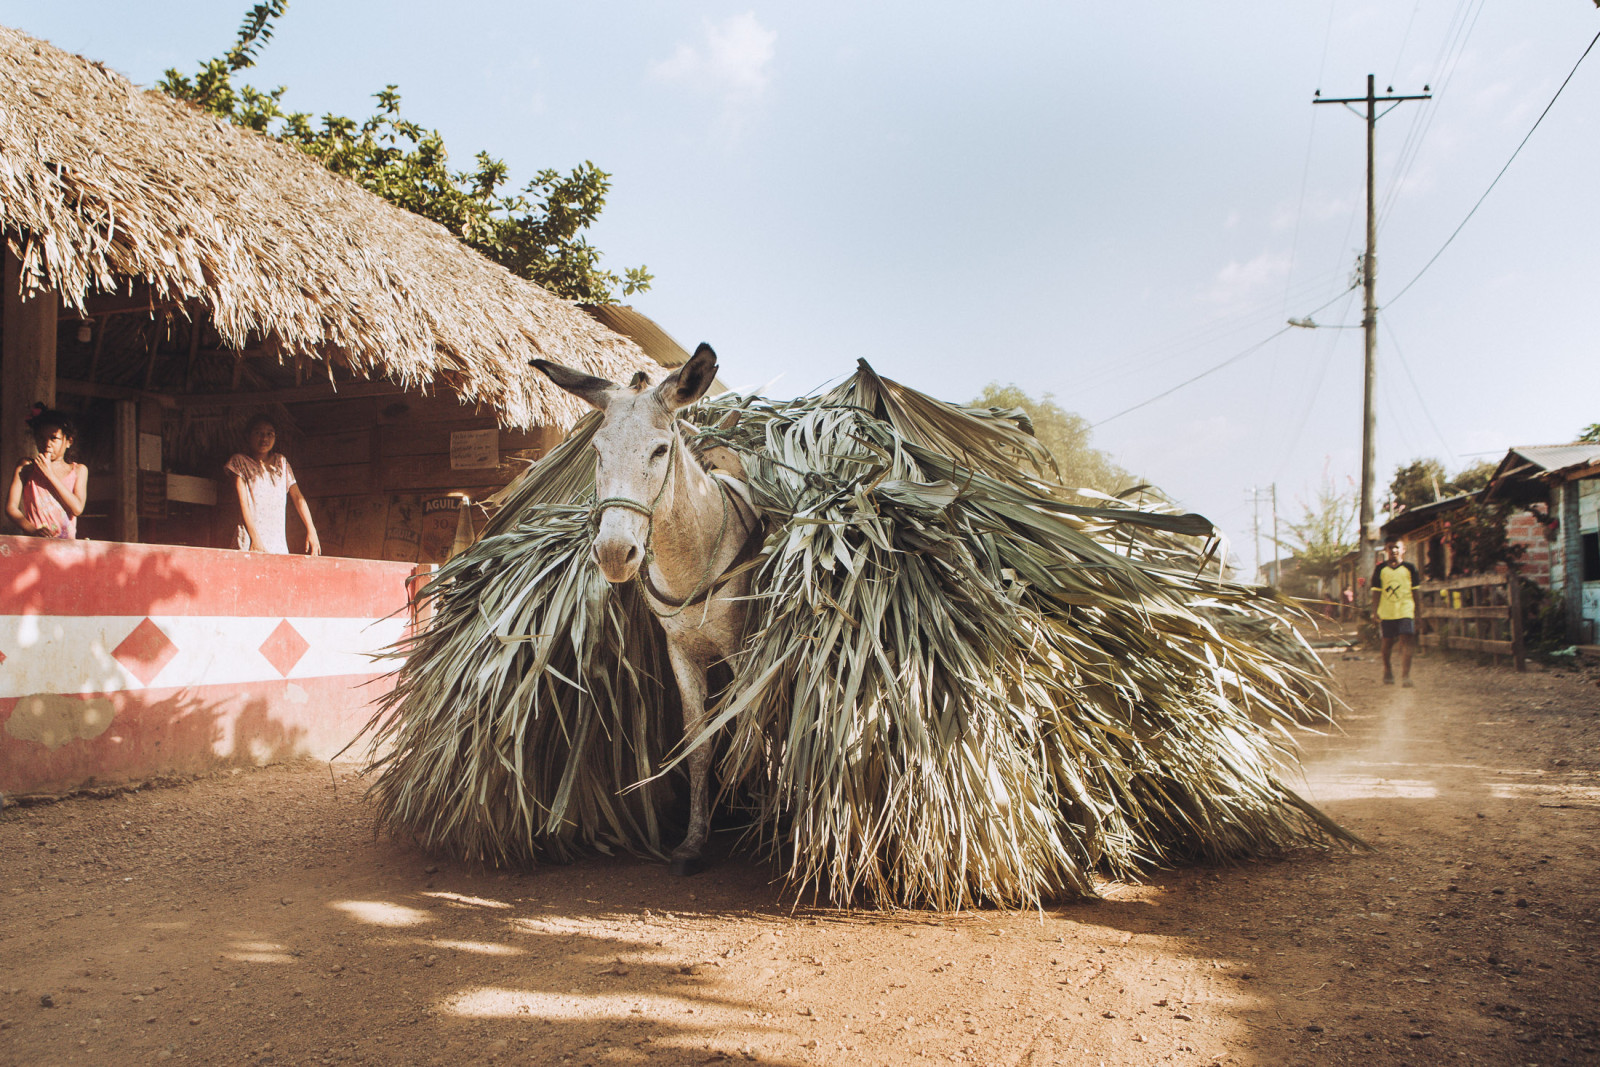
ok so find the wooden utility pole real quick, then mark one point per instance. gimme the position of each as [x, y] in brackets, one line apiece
[1369, 320]
[1277, 548]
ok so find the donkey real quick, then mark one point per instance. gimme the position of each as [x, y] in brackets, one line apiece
[682, 532]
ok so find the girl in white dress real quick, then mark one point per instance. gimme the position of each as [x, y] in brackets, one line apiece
[265, 484]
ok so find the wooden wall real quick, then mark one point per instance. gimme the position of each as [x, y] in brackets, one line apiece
[377, 472]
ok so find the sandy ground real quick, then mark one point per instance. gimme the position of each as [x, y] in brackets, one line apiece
[252, 918]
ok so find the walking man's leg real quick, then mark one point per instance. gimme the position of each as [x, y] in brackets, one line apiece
[1408, 646]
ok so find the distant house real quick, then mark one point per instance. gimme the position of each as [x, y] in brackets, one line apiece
[1557, 488]
[1428, 532]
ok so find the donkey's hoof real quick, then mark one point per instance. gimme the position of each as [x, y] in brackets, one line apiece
[685, 866]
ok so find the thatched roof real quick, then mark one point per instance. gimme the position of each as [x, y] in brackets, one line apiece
[643, 331]
[102, 183]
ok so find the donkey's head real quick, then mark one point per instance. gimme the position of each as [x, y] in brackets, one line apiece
[635, 449]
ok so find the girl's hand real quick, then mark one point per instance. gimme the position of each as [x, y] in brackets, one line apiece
[255, 546]
[313, 545]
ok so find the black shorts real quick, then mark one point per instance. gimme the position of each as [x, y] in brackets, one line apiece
[1398, 627]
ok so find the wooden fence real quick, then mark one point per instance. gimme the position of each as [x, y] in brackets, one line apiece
[1482, 613]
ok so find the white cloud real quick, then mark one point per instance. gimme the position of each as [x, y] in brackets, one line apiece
[732, 63]
[1240, 284]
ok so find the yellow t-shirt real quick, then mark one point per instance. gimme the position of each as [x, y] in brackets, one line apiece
[1394, 585]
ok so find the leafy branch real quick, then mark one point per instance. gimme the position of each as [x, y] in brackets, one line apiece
[536, 233]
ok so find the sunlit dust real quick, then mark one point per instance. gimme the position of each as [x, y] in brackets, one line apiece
[382, 913]
[258, 952]
[481, 948]
[1364, 787]
[1579, 795]
[488, 1002]
[460, 898]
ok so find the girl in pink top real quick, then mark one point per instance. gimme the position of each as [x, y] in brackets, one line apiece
[48, 490]
[265, 484]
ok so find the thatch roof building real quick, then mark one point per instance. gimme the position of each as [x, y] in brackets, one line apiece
[200, 271]
[104, 185]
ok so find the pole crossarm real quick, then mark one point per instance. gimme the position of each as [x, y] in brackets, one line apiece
[1364, 99]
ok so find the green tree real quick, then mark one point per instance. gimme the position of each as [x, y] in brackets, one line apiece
[1422, 481]
[1419, 482]
[1326, 533]
[1591, 432]
[1066, 434]
[537, 234]
[1473, 479]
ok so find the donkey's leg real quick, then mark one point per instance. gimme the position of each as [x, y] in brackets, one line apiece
[691, 676]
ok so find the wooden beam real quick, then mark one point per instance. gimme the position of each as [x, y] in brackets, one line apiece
[1571, 549]
[1480, 644]
[99, 346]
[1493, 612]
[105, 304]
[1469, 582]
[113, 392]
[194, 350]
[27, 361]
[155, 350]
[125, 513]
[292, 395]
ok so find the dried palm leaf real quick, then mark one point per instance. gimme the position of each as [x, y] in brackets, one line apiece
[956, 688]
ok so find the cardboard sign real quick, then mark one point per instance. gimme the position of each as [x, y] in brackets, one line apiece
[152, 494]
[438, 527]
[474, 449]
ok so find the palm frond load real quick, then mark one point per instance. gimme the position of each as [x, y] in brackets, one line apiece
[956, 688]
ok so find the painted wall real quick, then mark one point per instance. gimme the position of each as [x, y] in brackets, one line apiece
[122, 661]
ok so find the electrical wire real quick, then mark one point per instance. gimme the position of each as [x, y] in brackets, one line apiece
[1311, 399]
[1422, 401]
[1462, 24]
[1305, 170]
[1236, 357]
[1203, 374]
[1144, 361]
[1497, 177]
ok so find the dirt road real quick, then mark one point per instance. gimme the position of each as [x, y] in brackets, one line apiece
[253, 919]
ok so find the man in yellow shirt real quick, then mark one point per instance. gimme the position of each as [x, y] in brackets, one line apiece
[1396, 603]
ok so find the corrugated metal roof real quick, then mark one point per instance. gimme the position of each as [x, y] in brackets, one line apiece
[1560, 457]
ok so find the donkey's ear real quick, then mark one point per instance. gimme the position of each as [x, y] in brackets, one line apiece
[689, 382]
[584, 386]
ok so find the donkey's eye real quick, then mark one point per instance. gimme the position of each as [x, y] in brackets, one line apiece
[660, 451]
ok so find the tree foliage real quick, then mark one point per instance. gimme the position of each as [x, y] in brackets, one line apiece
[1591, 432]
[1066, 434]
[537, 233]
[1422, 481]
[1326, 532]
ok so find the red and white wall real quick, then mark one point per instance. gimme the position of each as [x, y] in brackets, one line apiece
[120, 662]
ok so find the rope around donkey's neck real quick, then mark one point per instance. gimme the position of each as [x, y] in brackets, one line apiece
[649, 512]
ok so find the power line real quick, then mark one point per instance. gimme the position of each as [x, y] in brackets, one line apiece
[1236, 357]
[1422, 401]
[1497, 177]
[1459, 33]
[1190, 381]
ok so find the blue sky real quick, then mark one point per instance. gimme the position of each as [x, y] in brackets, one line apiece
[1096, 201]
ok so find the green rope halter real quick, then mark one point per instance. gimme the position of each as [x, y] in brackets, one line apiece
[707, 580]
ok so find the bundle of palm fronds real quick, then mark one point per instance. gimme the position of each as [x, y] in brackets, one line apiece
[956, 688]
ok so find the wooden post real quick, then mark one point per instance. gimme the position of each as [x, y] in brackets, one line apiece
[1514, 597]
[27, 362]
[125, 515]
[1572, 561]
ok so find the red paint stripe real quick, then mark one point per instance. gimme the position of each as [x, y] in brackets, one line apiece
[40, 577]
[157, 732]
